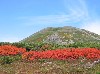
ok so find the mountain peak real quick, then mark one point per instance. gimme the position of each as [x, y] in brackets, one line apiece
[62, 35]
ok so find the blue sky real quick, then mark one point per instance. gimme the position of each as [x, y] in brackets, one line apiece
[21, 18]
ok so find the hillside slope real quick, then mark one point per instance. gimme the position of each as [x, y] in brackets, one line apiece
[62, 35]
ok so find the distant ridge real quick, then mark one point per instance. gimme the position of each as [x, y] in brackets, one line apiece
[62, 35]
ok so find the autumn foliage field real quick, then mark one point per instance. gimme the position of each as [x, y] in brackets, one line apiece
[6, 50]
[60, 54]
[63, 54]
[10, 52]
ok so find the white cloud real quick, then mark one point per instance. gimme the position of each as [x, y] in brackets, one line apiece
[75, 11]
[93, 26]
[51, 19]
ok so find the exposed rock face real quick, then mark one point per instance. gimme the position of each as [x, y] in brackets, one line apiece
[90, 65]
[55, 38]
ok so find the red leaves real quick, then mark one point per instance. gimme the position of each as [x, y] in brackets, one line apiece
[11, 50]
[63, 54]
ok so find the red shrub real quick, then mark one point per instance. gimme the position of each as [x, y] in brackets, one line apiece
[11, 50]
[63, 54]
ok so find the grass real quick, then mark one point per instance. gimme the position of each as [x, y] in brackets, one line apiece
[49, 66]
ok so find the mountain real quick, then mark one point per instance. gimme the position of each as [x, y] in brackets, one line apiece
[62, 35]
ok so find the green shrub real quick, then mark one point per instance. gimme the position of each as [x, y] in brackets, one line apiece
[97, 72]
[6, 60]
[9, 59]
